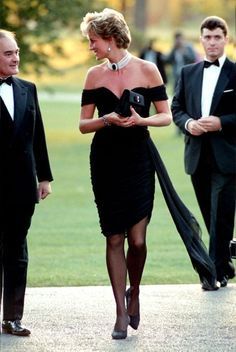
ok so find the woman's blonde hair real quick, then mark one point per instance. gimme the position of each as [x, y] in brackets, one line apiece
[106, 24]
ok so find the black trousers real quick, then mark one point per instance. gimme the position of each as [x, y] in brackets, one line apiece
[15, 222]
[216, 194]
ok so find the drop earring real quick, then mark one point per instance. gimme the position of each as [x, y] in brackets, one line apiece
[109, 49]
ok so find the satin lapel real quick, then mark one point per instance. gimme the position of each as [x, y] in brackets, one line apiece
[194, 88]
[20, 97]
[196, 78]
[221, 84]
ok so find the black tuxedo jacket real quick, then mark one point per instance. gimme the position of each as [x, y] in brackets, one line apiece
[24, 160]
[186, 104]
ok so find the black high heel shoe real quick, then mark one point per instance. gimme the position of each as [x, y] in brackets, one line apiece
[134, 319]
[120, 334]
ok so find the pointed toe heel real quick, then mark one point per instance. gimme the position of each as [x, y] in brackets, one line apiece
[134, 320]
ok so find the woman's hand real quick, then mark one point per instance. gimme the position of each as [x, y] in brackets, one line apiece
[114, 119]
[134, 120]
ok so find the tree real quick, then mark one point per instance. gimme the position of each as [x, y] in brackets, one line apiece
[39, 25]
[140, 14]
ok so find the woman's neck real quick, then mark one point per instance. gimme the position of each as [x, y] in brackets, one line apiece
[118, 63]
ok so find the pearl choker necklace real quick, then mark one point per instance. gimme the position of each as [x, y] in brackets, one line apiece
[119, 65]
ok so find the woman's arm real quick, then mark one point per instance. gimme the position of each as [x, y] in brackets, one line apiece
[87, 123]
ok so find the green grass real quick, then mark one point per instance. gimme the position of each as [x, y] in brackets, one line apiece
[66, 246]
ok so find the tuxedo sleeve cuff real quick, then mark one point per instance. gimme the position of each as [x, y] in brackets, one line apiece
[186, 124]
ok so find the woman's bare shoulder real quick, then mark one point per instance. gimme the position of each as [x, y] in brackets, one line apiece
[93, 74]
[149, 70]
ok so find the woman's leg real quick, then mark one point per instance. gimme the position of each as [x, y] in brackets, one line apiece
[136, 257]
[117, 270]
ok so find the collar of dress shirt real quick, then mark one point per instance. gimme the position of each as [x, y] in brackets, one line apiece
[6, 93]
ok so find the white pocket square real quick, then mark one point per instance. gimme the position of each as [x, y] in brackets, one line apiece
[228, 90]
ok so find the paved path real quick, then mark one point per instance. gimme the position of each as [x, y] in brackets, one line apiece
[173, 318]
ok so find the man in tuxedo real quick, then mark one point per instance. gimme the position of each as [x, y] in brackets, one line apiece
[25, 177]
[204, 109]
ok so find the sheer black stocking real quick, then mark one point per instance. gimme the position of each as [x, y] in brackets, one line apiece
[136, 257]
[117, 270]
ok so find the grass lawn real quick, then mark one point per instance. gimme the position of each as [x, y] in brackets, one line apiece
[66, 247]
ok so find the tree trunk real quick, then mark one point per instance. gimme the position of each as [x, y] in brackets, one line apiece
[140, 15]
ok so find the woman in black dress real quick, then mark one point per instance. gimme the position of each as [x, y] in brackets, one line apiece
[122, 171]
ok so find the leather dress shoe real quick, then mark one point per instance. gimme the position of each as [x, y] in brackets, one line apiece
[230, 271]
[231, 275]
[224, 281]
[14, 328]
[207, 286]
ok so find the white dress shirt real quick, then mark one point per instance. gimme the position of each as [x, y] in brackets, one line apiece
[209, 81]
[210, 78]
[6, 93]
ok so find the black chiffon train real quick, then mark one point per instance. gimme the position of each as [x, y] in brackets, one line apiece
[185, 222]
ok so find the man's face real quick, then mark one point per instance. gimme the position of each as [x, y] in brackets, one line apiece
[179, 41]
[213, 43]
[9, 57]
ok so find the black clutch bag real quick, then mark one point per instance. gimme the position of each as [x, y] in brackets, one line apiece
[129, 98]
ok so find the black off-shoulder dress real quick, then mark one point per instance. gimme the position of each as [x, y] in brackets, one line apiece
[122, 171]
[123, 163]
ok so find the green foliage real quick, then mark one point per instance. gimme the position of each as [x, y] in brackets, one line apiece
[37, 23]
[44, 27]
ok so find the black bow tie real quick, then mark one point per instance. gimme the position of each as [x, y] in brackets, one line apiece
[7, 80]
[209, 63]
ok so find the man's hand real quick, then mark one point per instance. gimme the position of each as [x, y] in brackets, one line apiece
[210, 123]
[44, 189]
[204, 125]
[195, 128]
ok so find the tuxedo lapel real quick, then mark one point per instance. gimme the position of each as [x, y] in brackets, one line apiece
[221, 84]
[196, 82]
[20, 98]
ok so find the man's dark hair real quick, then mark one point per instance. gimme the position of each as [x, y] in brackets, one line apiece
[213, 22]
[178, 34]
